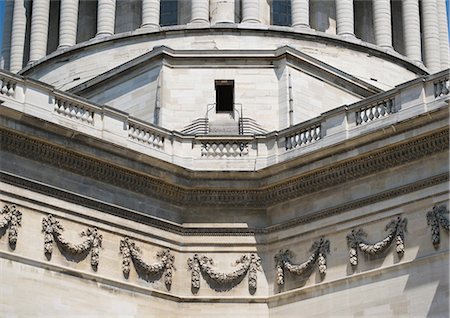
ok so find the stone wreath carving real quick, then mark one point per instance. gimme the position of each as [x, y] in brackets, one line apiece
[283, 261]
[12, 219]
[437, 217]
[131, 252]
[53, 232]
[356, 240]
[199, 265]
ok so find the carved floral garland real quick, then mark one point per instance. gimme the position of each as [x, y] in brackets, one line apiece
[53, 232]
[437, 217]
[12, 218]
[247, 264]
[356, 239]
[131, 252]
[283, 262]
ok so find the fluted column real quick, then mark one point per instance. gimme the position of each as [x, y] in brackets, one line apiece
[105, 17]
[411, 29]
[150, 13]
[221, 11]
[443, 35]
[18, 35]
[250, 11]
[68, 23]
[430, 31]
[39, 29]
[382, 23]
[300, 13]
[344, 18]
[6, 41]
[200, 11]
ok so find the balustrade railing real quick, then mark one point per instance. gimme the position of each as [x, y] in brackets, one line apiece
[224, 149]
[74, 110]
[146, 135]
[374, 111]
[441, 87]
[7, 85]
[303, 136]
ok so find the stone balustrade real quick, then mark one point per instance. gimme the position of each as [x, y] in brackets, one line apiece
[441, 87]
[7, 85]
[304, 136]
[74, 110]
[146, 135]
[375, 111]
[370, 115]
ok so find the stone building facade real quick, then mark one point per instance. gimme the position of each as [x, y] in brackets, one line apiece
[224, 158]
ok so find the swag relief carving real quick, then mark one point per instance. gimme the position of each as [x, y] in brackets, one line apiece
[11, 220]
[436, 218]
[131, 253]
[53, 232]
[319, 251]
[356, 240]
[202, 265]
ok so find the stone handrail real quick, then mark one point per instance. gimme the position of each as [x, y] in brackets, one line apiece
[204, 152]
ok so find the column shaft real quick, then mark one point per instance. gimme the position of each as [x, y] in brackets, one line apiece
[382, 23]
[200, 11]
[68, 23]
[39, 29]
[250, 11]
[300, 13]
[150, 13]
[6, 41]
[105, 17]
[344, 18]
[430, 33]
[411, 29]
[18, 35]
[443, 35]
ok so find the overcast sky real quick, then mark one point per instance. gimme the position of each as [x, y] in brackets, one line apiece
[2, 14]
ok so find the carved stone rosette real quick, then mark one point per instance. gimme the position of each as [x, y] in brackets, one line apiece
[436, 218]
[319, 251]
[53, 232]
[131, 252]
[12, 219]
[203, 265]
[356, 240]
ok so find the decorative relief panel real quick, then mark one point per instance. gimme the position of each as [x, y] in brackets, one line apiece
[356, 240]
[319, 251]
[53, 232]
[12, 219]
[202, 265]
[131, 252]
[436, 218]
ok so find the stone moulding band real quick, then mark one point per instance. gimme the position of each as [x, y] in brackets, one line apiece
[11, 220]
[199, 265]
[132, 253]
[260, 197]
[356, 240]
[53, 229]
[319, 249]
[436, 218]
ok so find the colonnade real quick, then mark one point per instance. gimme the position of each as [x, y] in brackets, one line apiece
[432, 12]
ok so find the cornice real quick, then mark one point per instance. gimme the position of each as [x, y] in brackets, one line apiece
[250, 196]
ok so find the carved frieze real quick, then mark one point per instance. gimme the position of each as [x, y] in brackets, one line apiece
[436, 218]
[319, 249]
[132, 253]
[202, 265]
[356, 240]
[53, 231]
[11, 219]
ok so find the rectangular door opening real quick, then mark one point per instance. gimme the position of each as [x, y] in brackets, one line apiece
[224, 96]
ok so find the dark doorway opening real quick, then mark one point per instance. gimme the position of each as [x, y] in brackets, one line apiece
[224, 96]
